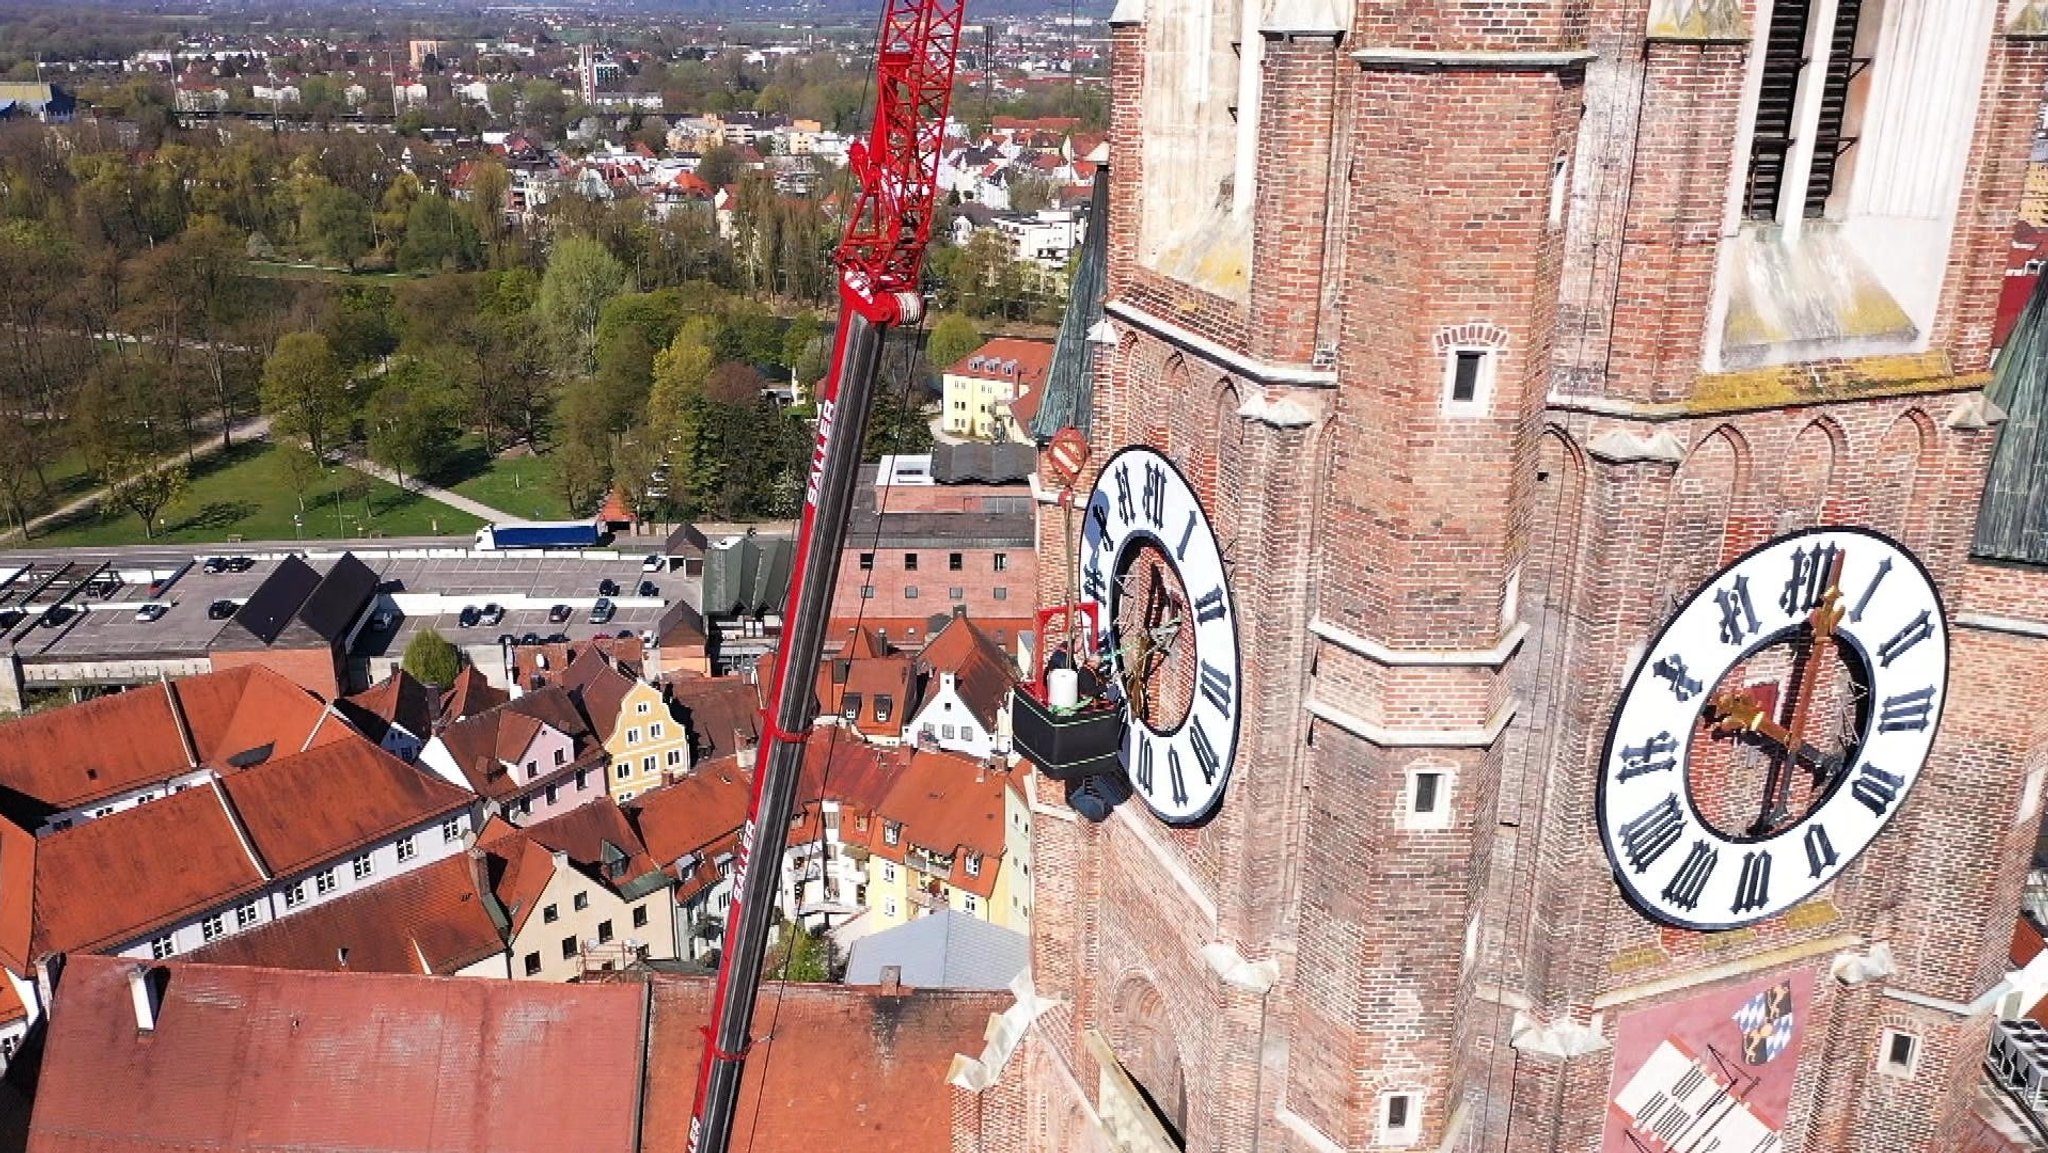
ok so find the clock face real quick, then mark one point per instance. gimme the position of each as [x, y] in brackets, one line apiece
[1167, 631]
[1774, 728]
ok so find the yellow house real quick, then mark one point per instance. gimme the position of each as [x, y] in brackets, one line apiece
[978, 389]
[647, 742]
[949, 835]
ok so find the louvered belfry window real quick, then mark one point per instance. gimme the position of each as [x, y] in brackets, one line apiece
[1779, 120]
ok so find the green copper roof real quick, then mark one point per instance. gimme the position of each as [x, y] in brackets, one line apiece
[1070, 386]
[2012, 525]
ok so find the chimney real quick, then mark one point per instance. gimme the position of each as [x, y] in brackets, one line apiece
[146, 989]
[892, 979]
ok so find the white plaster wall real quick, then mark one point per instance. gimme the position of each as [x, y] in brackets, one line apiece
[127, 800]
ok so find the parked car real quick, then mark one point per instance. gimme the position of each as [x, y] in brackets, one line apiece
[530, 639]
[602, 611]
[649, 589]
[151, 612]
[653, 564]
[492, 614]
[221, 610]
[468, 617]
[215, 564]
[558, 638]
[57, 615]
[507, 639]
[559, 613]
[11, 617]
[607, 587]
[240, 564]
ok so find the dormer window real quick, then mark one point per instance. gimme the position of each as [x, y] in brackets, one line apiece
[883, 706]
[850, 706]
[892, 833]
[973, 864]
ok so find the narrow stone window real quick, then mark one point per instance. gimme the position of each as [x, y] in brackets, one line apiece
[1898, 1053]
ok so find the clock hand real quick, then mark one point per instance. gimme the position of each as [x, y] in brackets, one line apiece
[1740, 712]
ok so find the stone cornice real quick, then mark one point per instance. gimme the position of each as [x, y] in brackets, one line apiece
[1392, 738]
[1378, 653]
[1424, 58]
[1262, 371]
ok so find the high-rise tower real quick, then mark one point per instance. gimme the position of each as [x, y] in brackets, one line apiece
[1499, 342]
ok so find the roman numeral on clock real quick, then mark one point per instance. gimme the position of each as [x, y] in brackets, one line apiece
[1906, 711]
[1870, 590]
[1738, 612]
[1820, 852]
[1205, 753]
[1187, 534]
[1209, 606]
[1753, 888]
[1099, 513]
[1916, 630]
[1155, 495]
[1216, 687]
[1652, 756]
[1877, 789]
[1123, 493]
[1683, 685]
[1645, 838]
[1809, 581]
[1692, 876]
[1173, 774]
[1142, 774]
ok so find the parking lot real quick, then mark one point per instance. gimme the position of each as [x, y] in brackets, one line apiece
[420, 591]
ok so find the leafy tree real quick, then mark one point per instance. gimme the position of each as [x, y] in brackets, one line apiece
[582, 275]
[430, 658]
[305, 391]
[952, 338]
[719, 166]
[300, 467]
[145, 490]
[412, 418]
[359, 327]
[337, 223]
[18, 476]
[488, 185]
[437, 236]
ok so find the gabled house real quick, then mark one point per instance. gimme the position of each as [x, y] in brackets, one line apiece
[300, 622]
[528, 759]
[441, 920]
[397, 713]
[99, 757]
[471, 694]
[966, 695]
[867, 688]
[723, 715]
[692, 829]
[240, 851]
[581, 894]
[643, 736]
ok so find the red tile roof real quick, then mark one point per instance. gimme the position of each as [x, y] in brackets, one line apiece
[849, 1070]
[399, 699]
[724, 714]
[17, 897]
[993, 360]
[333, 800]
[70, 757]
[244, 1060]
[869, 685]
[471, 694]
[698, 811]
[434, 919]
[519, 872]
[594, 837]
[527, 660]
[481, 744]
[982, 672]
[107, 882]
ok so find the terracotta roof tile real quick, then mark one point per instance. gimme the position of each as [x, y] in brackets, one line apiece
[113, 880]
[601, 843]
[700, 810]
[332, 800]
[434, 919]
[1008, 359]
[724, 714]
[399, 699]
[982, 672]
[519, 872]
[871, 686]
[68, 757]
[244, 1060]
[17, 896]
[470, 695]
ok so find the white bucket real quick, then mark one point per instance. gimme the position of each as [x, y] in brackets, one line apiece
[1063, 688]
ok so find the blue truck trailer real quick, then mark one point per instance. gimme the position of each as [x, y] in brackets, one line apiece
[538, 534]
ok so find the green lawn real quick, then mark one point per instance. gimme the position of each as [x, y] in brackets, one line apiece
[245, 493]
[520, 486]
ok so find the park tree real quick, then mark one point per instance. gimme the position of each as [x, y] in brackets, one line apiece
[438, 237]
[305, 392]
[412, 418]
[719, 166]
[432, 660]
[489, 184]
[581, 276]
[300, 468]
[953, 337]
[145, 489]
[336, 222]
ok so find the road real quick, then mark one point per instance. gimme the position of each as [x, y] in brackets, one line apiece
[247, 430]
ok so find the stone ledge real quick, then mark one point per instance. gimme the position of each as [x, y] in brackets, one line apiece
[1391, 738]
[1264, 372]
[1538, 61]
[1378, 653]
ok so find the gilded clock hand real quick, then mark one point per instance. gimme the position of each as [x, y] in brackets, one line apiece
[1739, 712]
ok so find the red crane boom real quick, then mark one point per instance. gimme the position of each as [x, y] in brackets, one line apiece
[879, 259]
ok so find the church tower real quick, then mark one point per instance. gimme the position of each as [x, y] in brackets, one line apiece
[1634, 749]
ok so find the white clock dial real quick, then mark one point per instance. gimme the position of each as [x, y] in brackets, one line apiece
[1774, 728]
[1167, 629]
